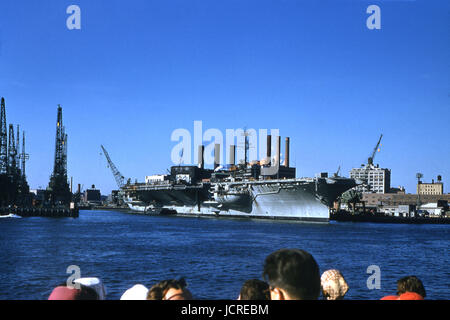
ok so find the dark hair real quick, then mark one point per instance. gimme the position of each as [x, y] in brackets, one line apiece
[155, 293]
[410, 284]
[87, 293]
[294, 271]
[159, 290]
[255, 289]
[84, 293]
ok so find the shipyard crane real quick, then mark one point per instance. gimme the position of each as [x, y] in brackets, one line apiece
[336, 174]
[370, 160]
[117, 175]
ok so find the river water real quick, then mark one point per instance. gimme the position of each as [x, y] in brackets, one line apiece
[215, 255]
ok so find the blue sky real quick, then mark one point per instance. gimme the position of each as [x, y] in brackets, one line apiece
[138, 70]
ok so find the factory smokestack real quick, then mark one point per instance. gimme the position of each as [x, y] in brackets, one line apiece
[201, 161]
[269, 148]
[216, 155]
[278, 150]
[286, 156]
[232, 154]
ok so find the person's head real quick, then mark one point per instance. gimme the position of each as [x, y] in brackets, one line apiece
[169, 290]
[254, 290]
[292, 274]
[64, 292]
[94, 283]
[410, 284]
[334, 286]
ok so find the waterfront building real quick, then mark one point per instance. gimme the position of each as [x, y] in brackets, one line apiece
[399, 190]
[92, 196]
[433, 209]
[155, 178]
[430, 188]
[395, 199]
[376, 180]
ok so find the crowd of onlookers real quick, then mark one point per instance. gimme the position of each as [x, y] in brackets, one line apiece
[289, 274]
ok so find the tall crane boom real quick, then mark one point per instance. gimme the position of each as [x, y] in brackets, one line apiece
[3, 139]
[23, 156]
[117, 175]
[370, 160]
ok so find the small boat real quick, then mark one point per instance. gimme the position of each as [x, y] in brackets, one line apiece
[11, 215]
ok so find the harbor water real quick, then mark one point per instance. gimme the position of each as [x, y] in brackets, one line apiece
[215, 255]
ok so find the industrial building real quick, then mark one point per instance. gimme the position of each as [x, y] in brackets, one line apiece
[396, 199]
[433, 188]
[377, 180]
[92, 196]
[374, 179]
[156, 178]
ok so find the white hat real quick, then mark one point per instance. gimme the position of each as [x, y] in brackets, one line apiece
[94, 283]
[137, 292]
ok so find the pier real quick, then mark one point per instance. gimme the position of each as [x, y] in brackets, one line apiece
[53, 212]
[361, 217]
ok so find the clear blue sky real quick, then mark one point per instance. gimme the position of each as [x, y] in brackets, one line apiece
[137, 70]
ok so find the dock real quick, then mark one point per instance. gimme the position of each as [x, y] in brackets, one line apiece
[54, 212]
[360, 217]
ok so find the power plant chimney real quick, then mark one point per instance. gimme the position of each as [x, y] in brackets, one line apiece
[286, 156]
[278, 150]
[201, 161]
[269, 148]
[216, 155]
[232, 154]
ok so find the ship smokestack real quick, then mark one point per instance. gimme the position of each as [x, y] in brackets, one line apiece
[232, 154]
[216, 155]
[269, 148]
[286, 156]
[201, 161]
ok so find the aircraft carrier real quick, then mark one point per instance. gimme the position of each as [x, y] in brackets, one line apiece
[257, 189]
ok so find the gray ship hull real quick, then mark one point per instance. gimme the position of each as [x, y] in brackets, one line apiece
[306, 199]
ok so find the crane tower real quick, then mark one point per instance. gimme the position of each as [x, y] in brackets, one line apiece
[372, 156]
[59, 191]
